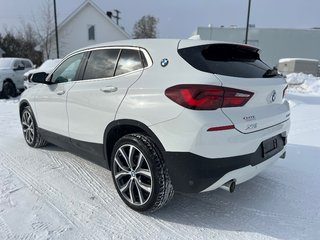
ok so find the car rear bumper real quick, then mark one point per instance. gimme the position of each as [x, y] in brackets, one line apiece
[192, 173]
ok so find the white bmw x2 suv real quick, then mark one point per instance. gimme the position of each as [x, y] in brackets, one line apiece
[163, 115]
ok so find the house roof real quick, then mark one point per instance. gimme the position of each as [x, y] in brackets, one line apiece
[82, 6]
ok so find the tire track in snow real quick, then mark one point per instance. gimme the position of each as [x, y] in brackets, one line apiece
[117, 210]
[82, 176]
[40, 188]
[5, 232]
[82, 173]
[102, 191]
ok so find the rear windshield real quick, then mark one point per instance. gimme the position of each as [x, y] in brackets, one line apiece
[227, 59]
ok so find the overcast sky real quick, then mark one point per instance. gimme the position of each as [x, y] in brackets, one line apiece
[179, 18]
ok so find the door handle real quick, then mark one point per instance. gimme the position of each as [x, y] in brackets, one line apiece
[61, 92]
[109, 89]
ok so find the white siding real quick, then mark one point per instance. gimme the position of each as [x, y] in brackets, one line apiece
[74, 34]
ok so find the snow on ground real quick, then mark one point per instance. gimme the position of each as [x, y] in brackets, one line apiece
[52, 194]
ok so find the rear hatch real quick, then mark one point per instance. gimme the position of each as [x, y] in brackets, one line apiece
[239, 67]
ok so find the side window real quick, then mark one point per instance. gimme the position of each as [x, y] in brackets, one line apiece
[17, 63]
[101, 64]
[26, 64]
[67, 71]
[143, 59]
[129, 61]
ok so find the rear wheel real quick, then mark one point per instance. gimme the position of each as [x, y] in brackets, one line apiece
[139, 173]
[30, 129]
[9, 90]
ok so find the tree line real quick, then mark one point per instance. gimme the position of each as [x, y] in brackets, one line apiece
[20, 45]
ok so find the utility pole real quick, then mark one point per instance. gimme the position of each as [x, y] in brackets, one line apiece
[56, 26]
[117, 16]
[248, 20]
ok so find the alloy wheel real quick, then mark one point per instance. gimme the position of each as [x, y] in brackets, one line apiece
[28, 127]
[132, 175]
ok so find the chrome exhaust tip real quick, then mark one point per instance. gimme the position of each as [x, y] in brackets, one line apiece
[229, 186]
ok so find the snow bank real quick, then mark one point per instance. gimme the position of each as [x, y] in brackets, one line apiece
[303, 83]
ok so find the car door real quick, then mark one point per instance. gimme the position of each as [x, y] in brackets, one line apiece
[93, 102]
[51, 98]
[19, 70]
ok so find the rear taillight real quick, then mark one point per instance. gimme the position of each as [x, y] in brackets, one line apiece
[207, 97]
[284, 91]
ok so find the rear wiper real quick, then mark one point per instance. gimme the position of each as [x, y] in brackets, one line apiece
[271, 73]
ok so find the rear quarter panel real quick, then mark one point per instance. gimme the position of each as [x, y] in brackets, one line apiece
[145, 100]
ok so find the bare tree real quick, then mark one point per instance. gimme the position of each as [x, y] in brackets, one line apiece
[44, 23]
[146, 27]
[28, 33]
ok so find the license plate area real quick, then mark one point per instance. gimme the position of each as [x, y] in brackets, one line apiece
[272, 146]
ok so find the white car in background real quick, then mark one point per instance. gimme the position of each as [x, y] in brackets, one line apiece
[46, 67]
[11, 75]
[163, 115]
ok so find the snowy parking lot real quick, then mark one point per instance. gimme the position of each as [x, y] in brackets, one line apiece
[50, 193]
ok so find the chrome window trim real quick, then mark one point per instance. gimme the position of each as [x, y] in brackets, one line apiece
[144, 51]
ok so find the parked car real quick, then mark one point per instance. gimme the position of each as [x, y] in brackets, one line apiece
[11, 75]
[47, 67]
[163, 115]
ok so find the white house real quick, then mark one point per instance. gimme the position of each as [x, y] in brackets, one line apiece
[274, 43]
[87, 25]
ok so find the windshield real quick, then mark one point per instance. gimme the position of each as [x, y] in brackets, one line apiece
[50, 64]
[5, 63]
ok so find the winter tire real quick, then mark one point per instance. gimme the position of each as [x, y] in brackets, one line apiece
[9, 90]
[139, 173]
[30, 129]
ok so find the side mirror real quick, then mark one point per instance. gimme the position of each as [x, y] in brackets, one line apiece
[39, 77]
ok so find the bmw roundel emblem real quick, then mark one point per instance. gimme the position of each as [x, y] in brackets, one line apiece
[164, 62]
[272, 96]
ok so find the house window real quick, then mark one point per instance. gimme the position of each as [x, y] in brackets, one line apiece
[91, 32]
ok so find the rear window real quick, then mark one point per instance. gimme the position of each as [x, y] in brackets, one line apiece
[227, 59]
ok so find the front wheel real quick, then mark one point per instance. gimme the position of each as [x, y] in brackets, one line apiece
[30, 129]
[9, 90]
[139, 173]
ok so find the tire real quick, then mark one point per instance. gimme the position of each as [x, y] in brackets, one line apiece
[139, 173]
[9, 90]
[30, 129]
